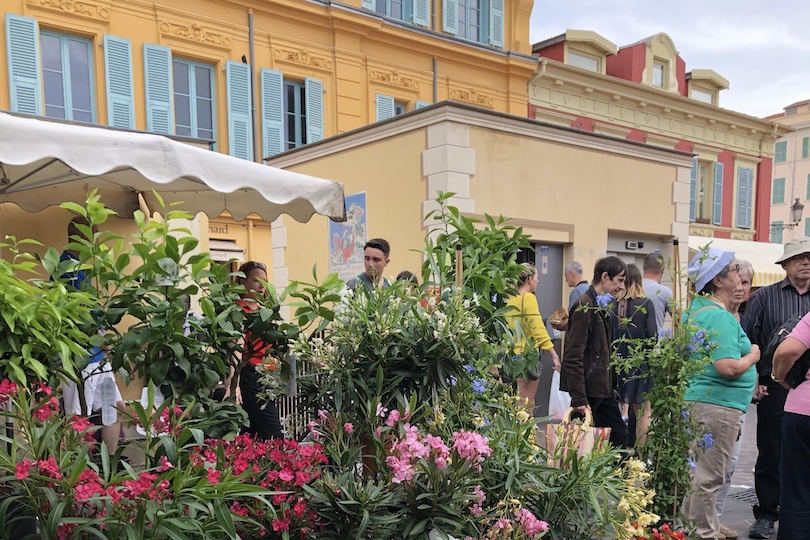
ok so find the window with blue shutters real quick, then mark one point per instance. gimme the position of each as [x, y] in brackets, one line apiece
[778, 191]
[67, 77]
[157, 63]
[313, 89]
[386, 107]
[473, 20]
[240, 130]
[411, 11]
[120, 90]
[693, 190]
[193, 90]
[745, 188]
[295, 115]
[807, 195]
[776, 233]
[805, 147]
[717, 210]
[22, 47]
[292, 112]
[780, 152]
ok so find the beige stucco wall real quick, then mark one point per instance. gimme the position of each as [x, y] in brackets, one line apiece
[389, 171]
[562, 193]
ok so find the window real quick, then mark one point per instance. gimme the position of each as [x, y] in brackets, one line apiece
[704, 192]
[807, 226]
[790, 111]
[702, 95]
[295, 115]
[776, 235]
[67, 65]
[582, 61]
[472, 17]
[193, 99]
[400, 108]
[805, 147]
[745, 191]
[396, 9]
[808, 188]
[658, 74]
[778, 195]
[780, 152]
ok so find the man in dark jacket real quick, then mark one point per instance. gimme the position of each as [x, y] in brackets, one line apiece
[586, 373]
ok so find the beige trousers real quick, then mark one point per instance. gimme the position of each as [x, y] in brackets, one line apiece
[700, 505]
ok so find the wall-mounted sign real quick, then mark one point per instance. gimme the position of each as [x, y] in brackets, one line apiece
[346, 240]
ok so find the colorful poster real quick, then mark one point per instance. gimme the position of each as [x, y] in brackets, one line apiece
[346, 240]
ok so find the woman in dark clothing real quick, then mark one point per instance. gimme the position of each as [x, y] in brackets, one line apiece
[263, 416]
[634, 318]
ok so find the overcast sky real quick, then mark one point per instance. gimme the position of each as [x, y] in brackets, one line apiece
[761, 47]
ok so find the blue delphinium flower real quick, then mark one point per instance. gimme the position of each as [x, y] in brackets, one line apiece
[469, 368]
[685, 413]
[452, 381]
[479, 386]
[604, 300]
[664, 333]
[692, 464]
[707, 441]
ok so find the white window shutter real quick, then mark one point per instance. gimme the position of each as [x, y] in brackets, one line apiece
[367, 4]
[120, 91]
[496, 23]
[157, 61]
[22, 46]
[385, 107]
[717, 210]
[240, 132]
[450, 16]
[421, 12]
[421, 104]
[314, 92]
[693, 190]
[272, 83]
[750, 198]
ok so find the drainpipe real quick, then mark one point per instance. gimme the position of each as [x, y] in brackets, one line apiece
[435, 77]
[256, 155]
[433, 16]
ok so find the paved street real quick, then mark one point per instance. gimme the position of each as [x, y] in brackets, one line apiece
[738, 514]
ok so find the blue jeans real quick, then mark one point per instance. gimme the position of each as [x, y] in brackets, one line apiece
[794, 510]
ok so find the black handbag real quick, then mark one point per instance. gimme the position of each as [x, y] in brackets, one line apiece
[798, 373]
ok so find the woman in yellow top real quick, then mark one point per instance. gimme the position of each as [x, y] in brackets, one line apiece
[533, 328]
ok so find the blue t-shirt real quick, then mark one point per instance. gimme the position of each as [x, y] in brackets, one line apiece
[730, 342]
[78, 280]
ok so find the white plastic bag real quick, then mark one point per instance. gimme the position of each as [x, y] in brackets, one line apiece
[558, 401]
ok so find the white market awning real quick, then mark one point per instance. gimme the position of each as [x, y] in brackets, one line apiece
[225, 250]
[45, 162]
[761, 255]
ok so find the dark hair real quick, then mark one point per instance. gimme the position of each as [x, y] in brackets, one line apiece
[614, 266]
[250, 265]
[409, 276]
[653, 263]
[633, 285]
[73, 226]
[710, 287]
[381, 244]
[526, 273]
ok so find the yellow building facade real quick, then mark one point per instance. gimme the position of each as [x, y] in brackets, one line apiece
[254, 78]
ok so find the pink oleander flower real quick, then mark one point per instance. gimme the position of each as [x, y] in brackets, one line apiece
[381, 411]
[213, 476]
[531, 524]
[393, 418]
[165, 464]
[348, 427]
[49, 467]
[323, 415]
[21, 470]
[471, 446]
[8, 390]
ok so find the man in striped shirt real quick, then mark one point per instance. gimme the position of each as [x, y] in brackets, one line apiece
[768, 308]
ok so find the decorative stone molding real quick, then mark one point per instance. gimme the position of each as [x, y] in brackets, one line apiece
[473, 96]
[393, 78]
[195, 32]
[555, 117]
[86, 8]
[302, 57]
[663, 142]
[611, 130]
[704, 233]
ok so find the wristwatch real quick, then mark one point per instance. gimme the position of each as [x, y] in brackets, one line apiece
[773, 378]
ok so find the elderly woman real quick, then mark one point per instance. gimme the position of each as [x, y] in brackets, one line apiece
[722, 392]
[794, 510]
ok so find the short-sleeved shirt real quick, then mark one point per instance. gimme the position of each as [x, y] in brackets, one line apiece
[365, 280]
[660, 295]
[798, 399]
[576, 292]
[730, 342]
[79, 281]
[255, 348]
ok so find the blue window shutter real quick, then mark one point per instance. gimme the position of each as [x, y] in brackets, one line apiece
[496, 23]
[420, 104]
[157, 61]
[22, 45]
[742, 193]
[717, 210]
[314, 92]
[805, 147]
[385, 107]
[807, 195]
[807, 226]
[272, 111]
[421, 12]
[120, 91]
[693, 190]
[367, 4]
[776, 235]
[450, 16]
[240, 136]
[749, 199]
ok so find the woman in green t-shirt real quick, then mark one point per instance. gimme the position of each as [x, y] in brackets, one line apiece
[722, 392]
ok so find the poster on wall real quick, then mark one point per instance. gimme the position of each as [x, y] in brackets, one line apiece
[346, 240]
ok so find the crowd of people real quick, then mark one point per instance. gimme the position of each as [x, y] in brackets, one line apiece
[621, 302]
